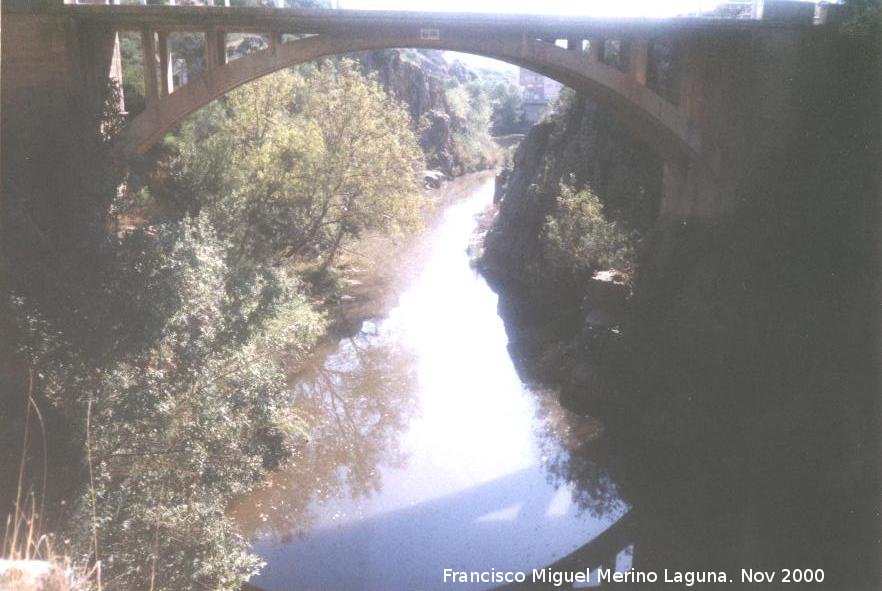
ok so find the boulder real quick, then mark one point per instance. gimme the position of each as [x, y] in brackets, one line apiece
[433, 179]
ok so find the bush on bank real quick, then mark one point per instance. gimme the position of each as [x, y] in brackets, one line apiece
[155, 337]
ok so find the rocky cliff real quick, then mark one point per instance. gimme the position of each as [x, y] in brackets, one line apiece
[796, 258]
[580, 145]
[562, 322]
[420, 79]
[740, 358]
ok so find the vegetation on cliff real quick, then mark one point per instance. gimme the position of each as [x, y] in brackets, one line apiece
[741, 357]
[578, 198]
[579, 239]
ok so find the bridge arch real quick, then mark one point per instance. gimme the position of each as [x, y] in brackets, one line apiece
[652, 118]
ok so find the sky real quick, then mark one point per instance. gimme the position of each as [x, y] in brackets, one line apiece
[601, 8]
[633, 8]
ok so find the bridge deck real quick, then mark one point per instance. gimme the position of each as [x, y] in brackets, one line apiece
[341, 21]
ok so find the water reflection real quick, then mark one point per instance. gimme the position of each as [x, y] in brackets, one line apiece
[357, 400]
[429, 452]
[565, 439]
[512, 523]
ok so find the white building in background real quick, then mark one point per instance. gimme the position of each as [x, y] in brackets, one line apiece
[537, 92]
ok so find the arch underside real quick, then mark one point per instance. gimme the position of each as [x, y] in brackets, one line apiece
[659, 123]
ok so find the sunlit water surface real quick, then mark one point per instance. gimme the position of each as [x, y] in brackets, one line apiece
[429, 453]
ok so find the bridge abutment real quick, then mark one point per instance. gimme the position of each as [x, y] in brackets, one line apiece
[55, 76]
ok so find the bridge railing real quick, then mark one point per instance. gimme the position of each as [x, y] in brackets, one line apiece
[176, 52]
[168, 63]
[207, 3]
[225, 3]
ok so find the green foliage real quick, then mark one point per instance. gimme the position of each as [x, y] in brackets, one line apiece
[159, 346]
[298, 163]
[458, 102]
[470, 107]
[197, 413]
[508, 108]
[579, 239]
[474, 153]
[862, 17]
[131, 56]
[567, 101]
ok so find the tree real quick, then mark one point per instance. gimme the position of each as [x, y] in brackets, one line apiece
[579, 239]
[508, 108]
[471, 110]
[172, 428]
[302, 162]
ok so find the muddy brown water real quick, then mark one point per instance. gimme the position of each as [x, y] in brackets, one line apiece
[427, 451]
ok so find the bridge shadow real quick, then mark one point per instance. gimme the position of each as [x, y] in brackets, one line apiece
[514, 523]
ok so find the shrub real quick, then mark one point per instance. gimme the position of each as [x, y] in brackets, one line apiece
[579, 239]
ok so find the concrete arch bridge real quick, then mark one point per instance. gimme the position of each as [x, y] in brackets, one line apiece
[708, 95]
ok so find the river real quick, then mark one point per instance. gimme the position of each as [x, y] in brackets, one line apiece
[426, 450]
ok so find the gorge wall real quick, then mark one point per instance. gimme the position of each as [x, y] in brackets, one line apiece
[739, 350]
[800, 235]
[420, 79]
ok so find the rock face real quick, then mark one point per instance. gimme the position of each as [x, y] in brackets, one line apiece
[435, 140]
[580, 145]
[433, 179]
[417, 78]
[513, 243]
[564, 330]
[748, 339]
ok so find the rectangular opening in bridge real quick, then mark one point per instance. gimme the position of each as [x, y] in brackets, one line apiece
[586, 45]
[176, 2]
[131, 52]
[561, 43]
[292, 37]
[241, 44]
[662, 71]
[186, 58]
[254, 3]
[614, 52]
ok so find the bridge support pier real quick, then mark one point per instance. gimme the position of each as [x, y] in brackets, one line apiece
[594, 45]
[104, 66]
[639, 60]
[215, 48]
[151, 74]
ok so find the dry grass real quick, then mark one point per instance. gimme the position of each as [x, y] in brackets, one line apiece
[27, 559]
